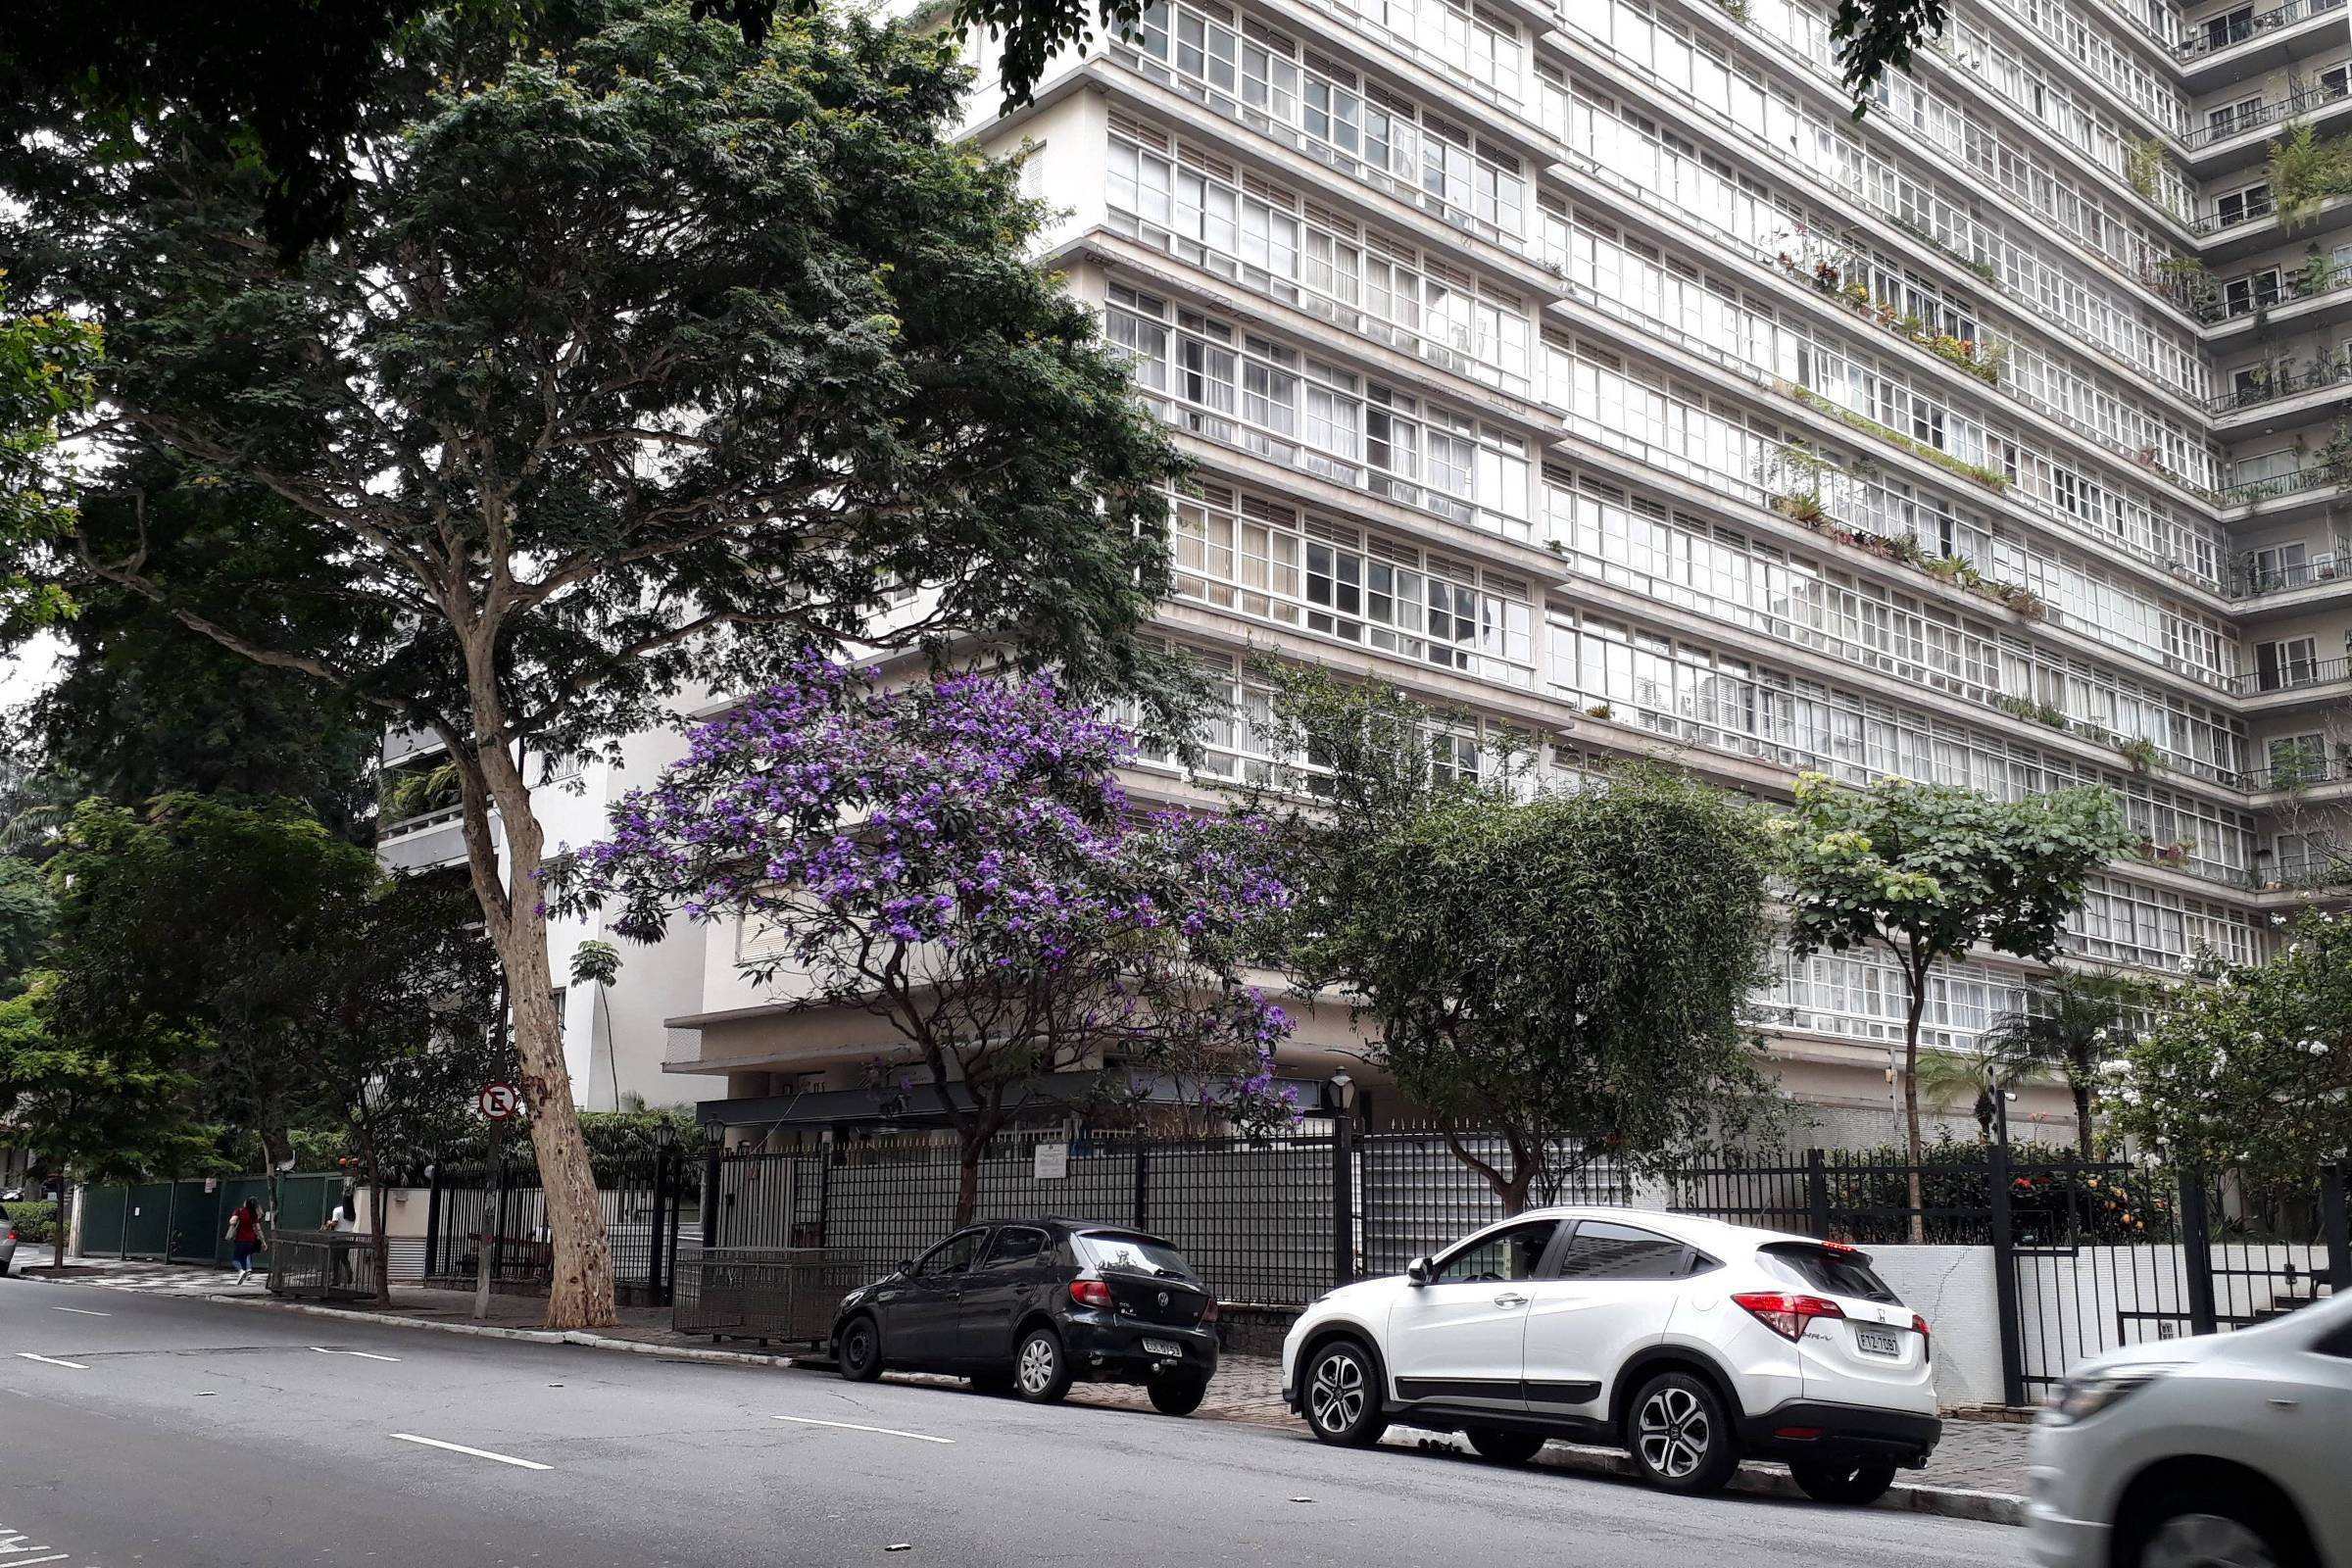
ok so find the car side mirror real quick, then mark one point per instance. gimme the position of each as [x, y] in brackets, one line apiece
[1418, 1271]
[906, 1267]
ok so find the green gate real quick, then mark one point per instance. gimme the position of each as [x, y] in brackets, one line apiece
[181, 1222]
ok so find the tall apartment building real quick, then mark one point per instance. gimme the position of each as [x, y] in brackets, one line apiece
[1586, 368]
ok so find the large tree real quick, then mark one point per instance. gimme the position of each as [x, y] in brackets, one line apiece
[2251, 1068]
[96, 1104]
[48, 362]
[1572, 971]
[1930, 871]
[955, 860]
[642, 357]
[215, 919]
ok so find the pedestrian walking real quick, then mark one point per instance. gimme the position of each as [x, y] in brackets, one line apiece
[343, 1218]
[245, 1237]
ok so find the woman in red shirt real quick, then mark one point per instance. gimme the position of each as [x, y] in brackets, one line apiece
[245, 1237]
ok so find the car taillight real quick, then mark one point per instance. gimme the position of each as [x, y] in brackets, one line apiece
[1089, 1293]
[1919, 1325]
[1787, 1313]
[1209, 1313]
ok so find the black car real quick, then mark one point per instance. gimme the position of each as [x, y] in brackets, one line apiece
[1027, 1305]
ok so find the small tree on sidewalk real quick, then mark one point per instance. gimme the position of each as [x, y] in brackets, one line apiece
[1571, 970]
[955, 860]
[1930, 871]
[401, 1027]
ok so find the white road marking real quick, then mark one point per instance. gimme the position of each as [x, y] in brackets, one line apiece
[52, 1361]
[27, 1562]
[478, 1453]
[852, 1426]
[81, 1310]
[365, 1356]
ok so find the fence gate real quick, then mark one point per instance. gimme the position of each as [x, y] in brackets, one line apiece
[2097, 1256]
[477, 1210]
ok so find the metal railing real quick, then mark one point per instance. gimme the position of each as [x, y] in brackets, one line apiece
[2296, 481]
[2212, 40]
[764, 1293]
[2250, 581]
[2294, 675]
[2299, 774]
[2279, 384]
[322, 1265]
[2270, 113]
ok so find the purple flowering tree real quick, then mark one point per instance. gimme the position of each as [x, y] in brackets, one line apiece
[957, 860]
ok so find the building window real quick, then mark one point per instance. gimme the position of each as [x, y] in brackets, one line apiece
[2288, 663]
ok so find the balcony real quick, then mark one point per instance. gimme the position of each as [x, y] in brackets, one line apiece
[2299, 774]
[2269, 113]
[2220, 36]
[2294, 482]
[2251, 582]
[2294, 675]
[2272, 383]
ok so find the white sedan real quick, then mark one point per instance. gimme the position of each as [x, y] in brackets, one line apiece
[2228, 1450]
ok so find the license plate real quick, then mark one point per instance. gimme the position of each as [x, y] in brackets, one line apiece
[1877, 1342]
[1162, 1348]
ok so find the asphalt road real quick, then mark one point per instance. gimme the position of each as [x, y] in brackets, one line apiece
[190, 1434]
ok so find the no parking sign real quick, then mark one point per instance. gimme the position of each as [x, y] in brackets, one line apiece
[499, 1102]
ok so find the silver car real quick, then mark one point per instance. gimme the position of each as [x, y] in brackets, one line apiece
[8, 1244]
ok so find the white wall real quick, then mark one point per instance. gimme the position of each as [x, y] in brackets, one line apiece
[1955, 1289]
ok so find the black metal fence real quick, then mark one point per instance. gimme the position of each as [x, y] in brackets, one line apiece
[479, 1207]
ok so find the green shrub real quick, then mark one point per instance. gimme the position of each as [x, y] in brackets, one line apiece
[34, 1222]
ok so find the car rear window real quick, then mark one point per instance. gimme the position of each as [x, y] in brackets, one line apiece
[1139, 1255]
[1828, 1269]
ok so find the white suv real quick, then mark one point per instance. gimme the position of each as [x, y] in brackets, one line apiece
[1688, 1342]
[2226, 1450]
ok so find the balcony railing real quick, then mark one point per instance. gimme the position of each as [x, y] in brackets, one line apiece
[2212, 40]
[2299, 774]
[2294, 675]
[2249, 212]
[2279, 384]
[2270, 113]
[2254, 492]
[2251, 582]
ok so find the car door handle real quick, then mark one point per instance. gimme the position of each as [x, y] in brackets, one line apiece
[1510, 1299]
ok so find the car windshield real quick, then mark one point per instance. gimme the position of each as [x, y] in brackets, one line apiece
[1136, 1254]
[1824, 1269]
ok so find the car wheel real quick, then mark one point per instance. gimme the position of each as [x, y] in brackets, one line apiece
[858, 1350]
[1178, 1393]
[1504, 1447]
[1843, 1481]
[2211, 1533]
[1343, 1398]
[1679, 1435]
[1040, 1371]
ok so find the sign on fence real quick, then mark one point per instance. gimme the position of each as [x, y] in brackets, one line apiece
[1051, 1163]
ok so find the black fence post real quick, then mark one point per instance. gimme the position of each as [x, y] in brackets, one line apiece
[432, 1217]
[2005, 1289]
[1143, 1183]
[2336, 1224]
[1342, 1198]
[2196, 1253]
[712, 1149]
[1817, 1191]
[653, 1235]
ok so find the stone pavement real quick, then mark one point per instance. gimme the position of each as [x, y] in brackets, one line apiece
[1975, 1455]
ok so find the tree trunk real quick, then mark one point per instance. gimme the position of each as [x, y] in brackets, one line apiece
[2083, 1138]
[1918, 1003]
[63, 1217]
[379, 1199]
[579, 1292]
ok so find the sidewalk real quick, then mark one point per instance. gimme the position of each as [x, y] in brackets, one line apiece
[1978, 1471]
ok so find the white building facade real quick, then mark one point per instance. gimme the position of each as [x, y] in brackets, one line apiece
[1588, 368]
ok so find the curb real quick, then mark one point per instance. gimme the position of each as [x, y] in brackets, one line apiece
[1759, 1481]
[1749, 1480]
